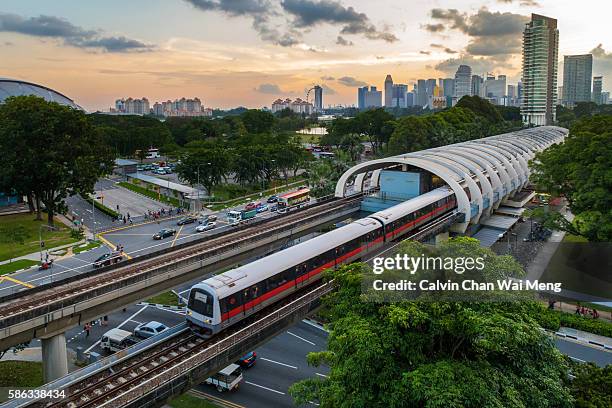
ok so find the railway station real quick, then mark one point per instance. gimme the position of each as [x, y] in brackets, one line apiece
[460, 189]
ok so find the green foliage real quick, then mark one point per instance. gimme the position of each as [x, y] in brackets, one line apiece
[481, 108]
[151, 194]
[323, 174]
[592, 386]
[257, 121]
[206, 166]
[106, 210]
[434, 353]
[554, 319]
[580, 169]
[21, 374]
[49, 151]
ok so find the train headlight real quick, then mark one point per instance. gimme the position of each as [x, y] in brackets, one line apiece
[189, 313]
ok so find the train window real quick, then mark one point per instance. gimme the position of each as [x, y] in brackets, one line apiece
[201, 301]
[254, 291]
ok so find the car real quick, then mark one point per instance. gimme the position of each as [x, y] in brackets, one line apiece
[247, 360]
[208, 218]
[108, 259]
[274, 207]
[186, 220]
[251, 206]
[272, 199]
[150, 329]
[262, 208]
[302, 187]
[205, 227]
[159, 171]
[164, 233]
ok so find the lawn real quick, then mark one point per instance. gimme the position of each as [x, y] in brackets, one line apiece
[190, 401]
[21, 374]
[31, 230]
[574, 238]
[16, 265]
[166, 298]
[82, 248]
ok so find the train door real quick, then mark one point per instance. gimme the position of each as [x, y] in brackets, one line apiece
[250, 298]
[301, 275]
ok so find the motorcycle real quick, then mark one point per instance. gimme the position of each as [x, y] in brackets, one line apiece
[46, 265]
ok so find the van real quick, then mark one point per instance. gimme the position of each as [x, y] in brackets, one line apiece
[117, 339]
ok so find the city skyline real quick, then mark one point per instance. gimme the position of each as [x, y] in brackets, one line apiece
[274, 49]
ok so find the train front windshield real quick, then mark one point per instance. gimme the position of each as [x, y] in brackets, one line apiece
[200, 301]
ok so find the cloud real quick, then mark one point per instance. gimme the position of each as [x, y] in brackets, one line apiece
[434, 28]
[343, 41]
[272, 89]
[68, 33]
[479, 65]
[327, 90]
[233, 7]
[350, 81]
[425, 52]
[494, 37]
[526, 3]
[327, 78]
[308, 13]
[602, 62]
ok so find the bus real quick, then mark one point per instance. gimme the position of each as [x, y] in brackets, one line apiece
[293, 198]
[153, 153]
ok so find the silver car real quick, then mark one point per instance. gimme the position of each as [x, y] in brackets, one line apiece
[150, 329]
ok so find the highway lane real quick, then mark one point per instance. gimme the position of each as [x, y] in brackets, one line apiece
[584, 352]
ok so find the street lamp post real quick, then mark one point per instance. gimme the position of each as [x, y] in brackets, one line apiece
[40, 241]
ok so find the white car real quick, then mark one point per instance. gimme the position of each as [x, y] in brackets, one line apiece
[205, 227]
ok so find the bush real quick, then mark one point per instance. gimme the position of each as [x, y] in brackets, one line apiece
[554, 319]
[112, 213]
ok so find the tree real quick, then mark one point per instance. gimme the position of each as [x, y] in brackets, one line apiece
[56, 144]
[592, 386]
[373, 123]
[351, 144]
[408, 136]
[579, 169]
[434, 353]
[257, 121]
[207, 166]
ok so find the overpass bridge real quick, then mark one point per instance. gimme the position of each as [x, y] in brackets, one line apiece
[47, 311]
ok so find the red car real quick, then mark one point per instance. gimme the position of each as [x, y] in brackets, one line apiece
[251, 206]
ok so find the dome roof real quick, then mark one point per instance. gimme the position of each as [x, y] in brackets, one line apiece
[15, 87]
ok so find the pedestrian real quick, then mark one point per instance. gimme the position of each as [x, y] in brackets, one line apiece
[117, 207]
[124, 220]
[105, 320]
[131, 222]
[87, 329]
[47, 257]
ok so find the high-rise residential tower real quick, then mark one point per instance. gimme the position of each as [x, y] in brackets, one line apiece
[597, 86]
[540, 55]
[318, 98]
[463, 81]
[577, 72]
[388, 91]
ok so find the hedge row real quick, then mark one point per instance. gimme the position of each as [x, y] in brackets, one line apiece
[108, 211]
[151, 194]
[554, 319]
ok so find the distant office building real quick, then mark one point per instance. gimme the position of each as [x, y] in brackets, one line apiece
[540, 60]
[388, 91]
[605, 98]
[430, 86]
[421, 93]
[318, 98]
[495, 88]
[559, 95]
[399, 96]
[577, 73]
[477, 86]
[131, 106]
[597, 86]
[512, 91]
[369, 98]
[448, 86]
[298, 106]
[463, 81]
[410, 98]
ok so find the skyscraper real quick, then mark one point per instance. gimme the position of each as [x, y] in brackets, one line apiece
[597, 85]
[540, 55]
[577, 72]
[430, 86]
[448, 86]
[463, 81]
[371, 98]
[477, 86]
[421, 95]
[361, 97]
[388, 91]
[318, 98]
[399, 99]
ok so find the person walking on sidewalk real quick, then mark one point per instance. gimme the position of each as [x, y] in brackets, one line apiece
[87, 329]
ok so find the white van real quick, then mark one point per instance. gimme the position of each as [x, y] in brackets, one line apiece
[117, 339]
[227, 379]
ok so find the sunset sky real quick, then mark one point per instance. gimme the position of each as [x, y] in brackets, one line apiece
[249, 52]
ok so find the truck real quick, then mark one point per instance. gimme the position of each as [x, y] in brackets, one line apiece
[236, 217]
[227, 379]
[117, 339]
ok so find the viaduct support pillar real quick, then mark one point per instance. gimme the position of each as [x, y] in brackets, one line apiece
[55, 357]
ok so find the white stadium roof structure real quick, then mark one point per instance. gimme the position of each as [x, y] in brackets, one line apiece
[16, 87]
[491, 169]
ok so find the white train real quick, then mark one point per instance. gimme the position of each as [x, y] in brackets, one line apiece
[224, 299]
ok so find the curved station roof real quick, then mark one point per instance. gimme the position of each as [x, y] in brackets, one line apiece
[490, 169]
[15, 87]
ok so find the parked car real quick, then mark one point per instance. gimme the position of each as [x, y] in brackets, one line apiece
[108, 259]
[164, 233]
[248, 360]
[150, 329]
[208, 218]
[274, 207]
[262, 208]
[251, 206]
[117, 339]
[206, 227]
[186, 220]
[272, 199]
[159, 171]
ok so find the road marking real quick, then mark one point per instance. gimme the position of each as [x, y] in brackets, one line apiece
[135, 321]
[301, 338]
[8, 278]
[107, 242]
[265, 388]
[321, 375]
[315, 325]
[176, 236]
[89, 211]
[279, 363]
[577, 359]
